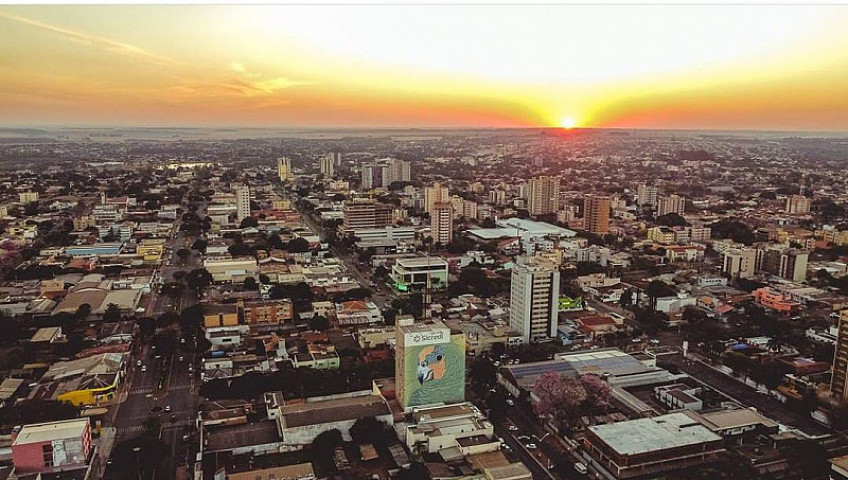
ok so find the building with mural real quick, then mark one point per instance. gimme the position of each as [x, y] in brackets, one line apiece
[429, 364]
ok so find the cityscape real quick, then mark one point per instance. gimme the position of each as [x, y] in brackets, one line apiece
[263, 276]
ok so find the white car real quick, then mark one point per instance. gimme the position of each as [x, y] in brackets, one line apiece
[512, 428]
[531, 446]
[581, 468]
[510, 402]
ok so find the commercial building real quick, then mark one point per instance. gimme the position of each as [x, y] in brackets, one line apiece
[223, 315]
[52, 447]
[793, 265]
[435, 194]
[231, 269]
[284, 169]
[671, 204]
[534, 300]
[797, 204]
[420, 273]
[739, 262]
[646, 195]
[651, 446]
[84, 381]
[439, 428]
[328, 165]
[28, 197]
[362, 214]
[299, 424]
[441, 223]
[268, 312]
[596, 214]
[242, 202]
[429, 364]
[544, 195]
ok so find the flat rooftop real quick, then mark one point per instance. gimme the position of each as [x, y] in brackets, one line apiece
[422, 262]
[644, 435]
[335, 410]
[236, 436]
[612, 361]
[47, 432]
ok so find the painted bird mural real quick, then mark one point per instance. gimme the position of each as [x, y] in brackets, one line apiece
[431, 364]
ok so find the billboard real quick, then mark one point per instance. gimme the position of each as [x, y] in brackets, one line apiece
[434, 368]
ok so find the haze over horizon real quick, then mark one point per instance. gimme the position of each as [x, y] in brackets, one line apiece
[720, 67]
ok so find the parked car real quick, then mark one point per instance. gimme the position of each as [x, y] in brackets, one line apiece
[581, 468]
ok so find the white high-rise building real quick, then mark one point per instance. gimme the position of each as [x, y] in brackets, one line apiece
[646, 195]
[396, 171]
[369, 176]
[435, 194]
[328, 166]
[441, 223]
[798, 204]
[284, 169]
[543, 195]
[671, 204]
[534, 300]
[242, 202]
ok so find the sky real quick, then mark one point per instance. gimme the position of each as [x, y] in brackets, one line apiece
[754, 67]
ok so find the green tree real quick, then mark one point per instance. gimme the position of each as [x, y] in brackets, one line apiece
[112, 313]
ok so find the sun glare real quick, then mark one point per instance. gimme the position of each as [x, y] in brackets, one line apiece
[567, 123]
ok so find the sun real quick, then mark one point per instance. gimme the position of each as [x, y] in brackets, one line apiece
[567, 123]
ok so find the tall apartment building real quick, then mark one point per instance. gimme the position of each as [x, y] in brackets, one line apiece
[337, 158]
[646, 195]
[671, 204]
[596, 214]
[798, 204]
[371, 176]
[534, 300]
[435, 194]
[793, 265]
[328, 165]
[366, 213]
[740, 262]
[441, 223]
[839, 377]
[284, 169]
[497, 197]
[397, 171]
[242, 202]
[543, 195]
[462, 207]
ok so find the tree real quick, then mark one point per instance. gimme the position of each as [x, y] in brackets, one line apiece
[250, 284]
[298, 245]
[137, 458]
[626, 298]
[249, 222]
[368, 430]
[198, 279]
[191, 318]
[657, 289]
[36, 411]
[319, 323]
[671, 220]
[559, 399]
[112, 313]
[200, 245]
[83, 311]
[183, 254]
[322, 448]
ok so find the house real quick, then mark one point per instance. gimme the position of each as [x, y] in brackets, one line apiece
[358, 312]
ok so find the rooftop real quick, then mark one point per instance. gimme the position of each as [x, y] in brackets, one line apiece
[335, 410]
[644, 435]
[47, 432]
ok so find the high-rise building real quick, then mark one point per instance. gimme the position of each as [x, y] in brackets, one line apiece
[534, 300]
[596, 214]
[441, 223]
[671, 204]
[429, 364]
[398, 171]
[543, 195]
[793, 265]
[839, 377]
[497, 197]
[328, 165]
[337, 158]
[435, 194]
[371, 176]
[797, 204]
[284, 169]
[242, 202]
[740, 262]
[365, 213]
[646, 195]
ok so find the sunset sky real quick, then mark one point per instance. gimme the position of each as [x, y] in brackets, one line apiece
[713, 67]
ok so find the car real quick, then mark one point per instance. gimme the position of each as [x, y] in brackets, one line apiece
[510, 402]
[655, 341]
[531, 446]
[173, 418]
[512, 428]
[523, 438]
[143, 368]
[581, 468]
[182, 358]
[138, 363]
[167, 408]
